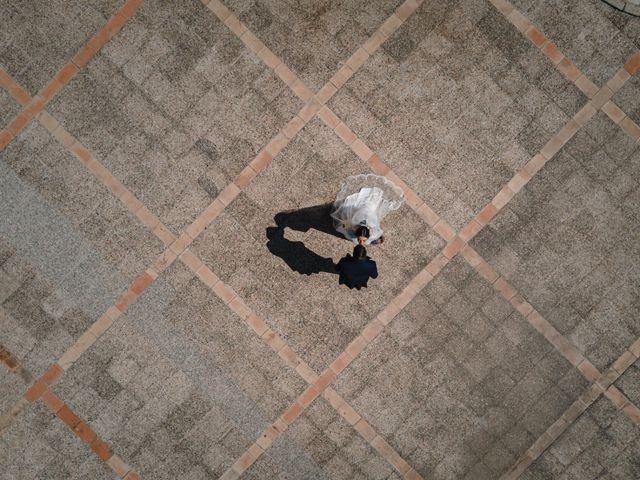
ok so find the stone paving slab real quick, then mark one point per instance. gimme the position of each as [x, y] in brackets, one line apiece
[602, 444]
[333, 447]
[39, 446]
[179, 384]
[9, 108]
[38, 37]
[456, 100]
[67, 249]
[313, 37]
[596, 37]
[41, 166]
[454, 128]
[629, 383]
[568, 241]
[461, 384]
[13, 388]
[237, 248]
[628, 98]
[175, 106]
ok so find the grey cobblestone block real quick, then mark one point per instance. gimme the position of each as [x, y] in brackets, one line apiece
[569, 229]
[499, 112]
[452, 403]
[600, 444]
[308, 173]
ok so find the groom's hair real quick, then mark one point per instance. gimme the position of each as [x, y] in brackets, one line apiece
[359, 252]
[363, 231]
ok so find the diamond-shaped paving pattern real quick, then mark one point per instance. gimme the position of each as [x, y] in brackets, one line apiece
[461, 385]
[175, 107]
[313, 37]
[168, 303]
[456, 128]
[180, 384]
[567, 241]
[261, 266]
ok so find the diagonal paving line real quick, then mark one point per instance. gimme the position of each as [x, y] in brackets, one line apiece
[352, 65]
[602, 385]
[598, 99]
[571, 72]
[615, 113]
[66, 73]
[282, 70]
[290, 357]
[179, 246]
[321, 385]
[73, 145]
[66, 415]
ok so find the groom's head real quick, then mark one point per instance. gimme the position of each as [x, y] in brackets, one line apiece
[359, 252]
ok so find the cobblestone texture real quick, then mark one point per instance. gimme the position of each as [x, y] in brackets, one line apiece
[433, 111]
[461, 385]
[601, 444]
[567, 241]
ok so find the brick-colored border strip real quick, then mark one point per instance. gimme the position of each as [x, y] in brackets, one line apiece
[66, 73]
[615, 113]
[74, 146]
[603, 385]
[543, 326]
[178, 247]
[40, 390]
[320, 385]
[13, 365]
[600, 97]
[548, 151]
[289, 356]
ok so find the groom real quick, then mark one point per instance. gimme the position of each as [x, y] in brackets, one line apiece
[356, 270]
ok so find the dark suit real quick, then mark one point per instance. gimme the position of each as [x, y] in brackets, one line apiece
[355, 273]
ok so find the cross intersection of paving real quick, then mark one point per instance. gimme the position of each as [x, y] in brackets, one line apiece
[180, 129]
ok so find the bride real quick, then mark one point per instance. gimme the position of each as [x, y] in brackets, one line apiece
[362, 202]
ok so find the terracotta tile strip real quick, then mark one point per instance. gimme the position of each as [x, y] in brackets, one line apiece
[602, 385]
[16, 91]
[548, 331]
[534, 318]
[321, 384]
[67, 72]
[85, 433]
[291, 358]
[350, 66]
[13, 365]
[109, 180]
[550, 149]
[599, 96]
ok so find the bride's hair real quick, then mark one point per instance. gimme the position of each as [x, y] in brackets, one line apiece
[359, 252]
[363, 231]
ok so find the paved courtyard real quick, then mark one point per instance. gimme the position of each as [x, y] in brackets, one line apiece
[168, 305]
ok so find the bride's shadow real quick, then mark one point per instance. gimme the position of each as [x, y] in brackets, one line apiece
[299, 258]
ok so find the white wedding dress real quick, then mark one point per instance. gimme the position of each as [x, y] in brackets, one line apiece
[365, 200]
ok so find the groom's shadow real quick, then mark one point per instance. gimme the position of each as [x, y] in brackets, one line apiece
[294, 253]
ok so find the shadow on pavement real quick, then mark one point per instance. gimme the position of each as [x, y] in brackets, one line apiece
[299, 258]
